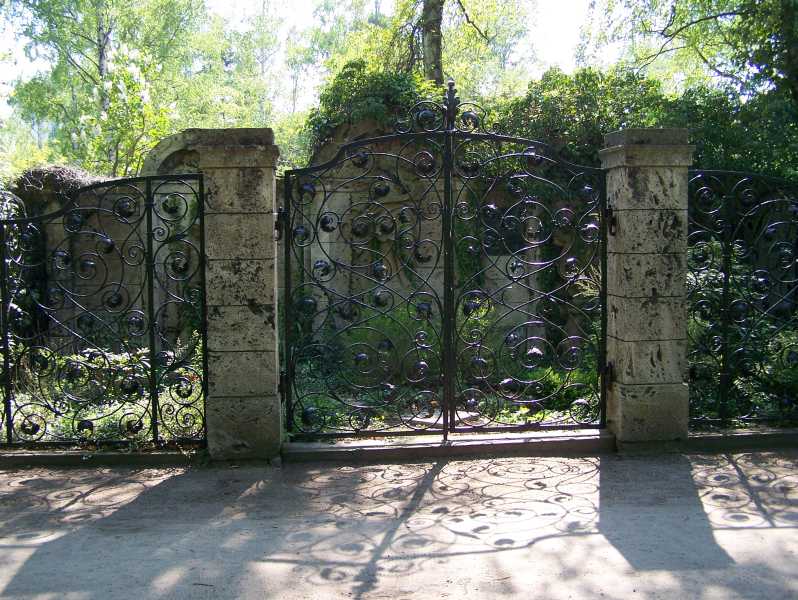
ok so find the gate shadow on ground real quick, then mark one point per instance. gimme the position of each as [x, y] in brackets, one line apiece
[503, 526]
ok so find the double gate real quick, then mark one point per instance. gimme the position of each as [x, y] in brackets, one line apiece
[443, 278]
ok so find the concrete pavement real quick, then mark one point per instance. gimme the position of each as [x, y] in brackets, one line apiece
[614, 527]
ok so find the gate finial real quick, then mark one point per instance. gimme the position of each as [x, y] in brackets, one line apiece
[450, 102]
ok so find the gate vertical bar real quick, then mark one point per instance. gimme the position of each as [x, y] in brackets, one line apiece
[204, 314]
[6, 302]
[602, 358]
[448, 321]
[285, 233]
[725, 319]
[150, 283]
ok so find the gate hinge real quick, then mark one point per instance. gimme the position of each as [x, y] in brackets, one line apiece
[609, 373]
[280, 219]
[281, 387]
[612, 221]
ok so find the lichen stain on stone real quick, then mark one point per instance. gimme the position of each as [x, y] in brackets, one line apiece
[254, 307]
[249, 182]
[269, 310]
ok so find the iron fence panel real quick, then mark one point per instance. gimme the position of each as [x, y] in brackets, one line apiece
[103, 315]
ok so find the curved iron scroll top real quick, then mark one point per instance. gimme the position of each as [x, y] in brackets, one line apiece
[449, 115]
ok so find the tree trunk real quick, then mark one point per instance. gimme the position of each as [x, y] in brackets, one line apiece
[789, 34]
[104, 29]
[431, 39]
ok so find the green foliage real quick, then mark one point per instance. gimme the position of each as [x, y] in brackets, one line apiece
[573, 112]
[750, 43]
[755, 134]
[485, 56]
[106, 92]
[108, 390]
[757, 344]
[358, 93]
[337, 377]
[22, 147]
[121, 76]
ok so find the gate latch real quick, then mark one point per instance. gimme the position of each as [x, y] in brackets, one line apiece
[612, 221]
[279, 223]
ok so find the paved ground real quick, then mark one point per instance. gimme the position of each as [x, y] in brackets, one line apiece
[534, 528]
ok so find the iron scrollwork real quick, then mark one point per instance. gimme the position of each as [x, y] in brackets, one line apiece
[743, 298]
[103, 315]
[443, 278]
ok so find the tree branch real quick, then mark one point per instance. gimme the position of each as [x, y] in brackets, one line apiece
[712, 67]
[470, 22]
[670, 37]
[83, 72]
[647, 60]
[732, 13]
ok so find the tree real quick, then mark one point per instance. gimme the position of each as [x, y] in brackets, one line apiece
[102, 93]
[473, 42]
[573, 112]
[22, 146]
[432, 39]
[752, 43]
[125, 75]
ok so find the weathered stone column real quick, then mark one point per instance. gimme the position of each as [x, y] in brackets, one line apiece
[243, 406]
[646, 279]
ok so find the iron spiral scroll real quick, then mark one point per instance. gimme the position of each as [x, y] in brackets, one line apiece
[743, 298]
[443, 278]
[103, 315]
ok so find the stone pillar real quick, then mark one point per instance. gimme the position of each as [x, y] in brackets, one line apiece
[243, 406]
[646, 280]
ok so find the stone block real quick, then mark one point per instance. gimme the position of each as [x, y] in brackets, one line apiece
[244, 236]
[640, 319]
[240, 282]
[239, 191]
[647, 188]
[649, 232]
[647, 147]
[649, 136]
[646, 362]
[658, 412]
[170, 153]
[242, 428]
[242, 373]
[646, 275]
[237, 157]
[250, 327]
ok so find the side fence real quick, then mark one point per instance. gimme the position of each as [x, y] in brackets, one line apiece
[743, 298]
[102, 323]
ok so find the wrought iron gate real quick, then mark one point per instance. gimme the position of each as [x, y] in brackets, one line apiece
[443, 278]
[103, 315]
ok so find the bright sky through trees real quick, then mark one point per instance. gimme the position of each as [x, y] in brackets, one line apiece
[555, 35]
[120, 76]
